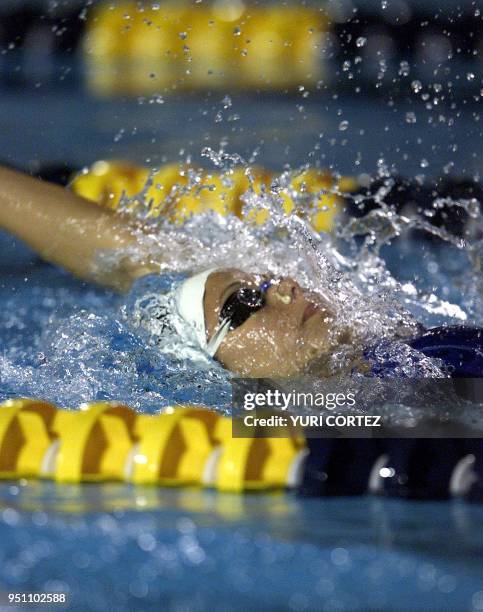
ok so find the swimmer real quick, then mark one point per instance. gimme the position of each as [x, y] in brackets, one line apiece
[253, 325]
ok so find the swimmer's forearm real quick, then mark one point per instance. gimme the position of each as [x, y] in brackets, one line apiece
[64, 228]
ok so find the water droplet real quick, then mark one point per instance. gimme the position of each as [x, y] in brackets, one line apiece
[410, 117]
[119, 135]
[416, 86]
[11, 517]
[361, 41]
[156, 99]
[183, 35]
[404, 68]
[343, 125]
[424, 163]
[470, 76]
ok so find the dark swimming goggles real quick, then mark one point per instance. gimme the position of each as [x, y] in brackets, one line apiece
[242, 303]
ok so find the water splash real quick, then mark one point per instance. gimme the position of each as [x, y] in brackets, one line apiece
[346, 268]
[88, 340]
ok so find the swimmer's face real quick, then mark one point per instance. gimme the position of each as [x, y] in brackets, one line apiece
[282, 338]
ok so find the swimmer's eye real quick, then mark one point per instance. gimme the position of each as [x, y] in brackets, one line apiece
[241, 305]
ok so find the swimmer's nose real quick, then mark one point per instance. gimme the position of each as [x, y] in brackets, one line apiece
[285, 292]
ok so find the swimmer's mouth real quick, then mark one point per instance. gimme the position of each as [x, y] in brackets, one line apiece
[309, 311]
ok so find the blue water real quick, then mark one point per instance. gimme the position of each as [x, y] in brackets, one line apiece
[125, 548]
[299, 130]
[116, 547]
[54, 328]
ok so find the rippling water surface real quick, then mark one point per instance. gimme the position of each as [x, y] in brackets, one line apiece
[116, 547]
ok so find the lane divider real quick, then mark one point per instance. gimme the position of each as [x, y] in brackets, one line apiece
[140, 48]
[107, 441]
[26, 433]
[313, 192]
[194, 446]
[133, 49]
[180, 191]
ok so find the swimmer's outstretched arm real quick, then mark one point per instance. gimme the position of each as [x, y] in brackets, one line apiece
[68, 230]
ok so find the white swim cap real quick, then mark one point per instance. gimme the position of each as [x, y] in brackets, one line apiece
[190, 306]
[175, 320]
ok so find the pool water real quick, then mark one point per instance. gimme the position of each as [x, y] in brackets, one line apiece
[54, 327]
[124, 548]
[57, 328]
[114, 546]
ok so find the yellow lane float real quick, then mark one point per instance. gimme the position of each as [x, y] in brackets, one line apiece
[25, 436]
[92, 443]
[255, 463]
[178, 191]
[108, 442]
[136, 49]
[173, 447]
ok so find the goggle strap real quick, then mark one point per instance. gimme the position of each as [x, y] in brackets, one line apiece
[218, 337]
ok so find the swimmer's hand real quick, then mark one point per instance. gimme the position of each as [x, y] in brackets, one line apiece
[70, 231]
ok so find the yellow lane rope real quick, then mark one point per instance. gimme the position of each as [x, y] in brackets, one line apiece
[107, 441]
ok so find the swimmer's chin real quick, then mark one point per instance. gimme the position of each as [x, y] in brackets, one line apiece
[318, 346]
